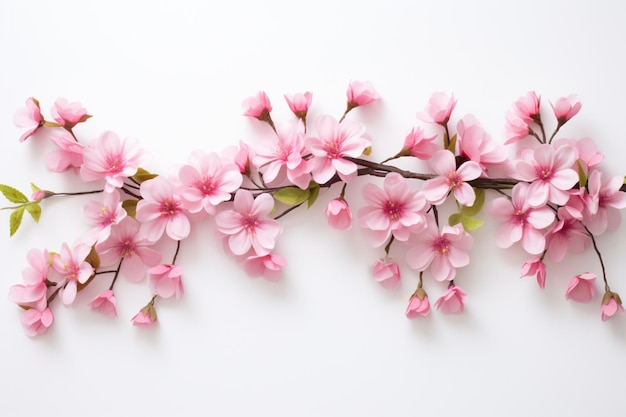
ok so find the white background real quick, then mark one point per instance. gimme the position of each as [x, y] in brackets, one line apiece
[326, 340]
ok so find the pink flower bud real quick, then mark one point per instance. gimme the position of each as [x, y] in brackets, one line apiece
[299, 103]
[611, 304]
[146, 316]
[105, 304]
[37, 195]
[361, 93]
[581, 288]
[439, 109]
[452, 301]
[258, 106]
[418, 304]
[387, 273]
[527, 107]
[535, 267]
[418, 145]
[29, 117]
[339, 214]
[68, 114]
[566, 107]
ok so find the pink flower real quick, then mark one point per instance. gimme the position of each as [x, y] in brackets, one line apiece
[566, 235]
[336, 140]
[71, 268]
[207, 181]
[532, 267]
[248, 225]
[515, 128]
[581, 288]
[387, 273]
[418, 304]
[452, 301]
[566, 107]
[550, 172]
[611, 304]
[418, 145]
[68, 114]
[588, 154]
[104, 303]
[161, 210]
[450, 179]
[258, 106]
[240, 156]
[102, 215]
[443, 251]
[268, 266]
[69, 154]
[439, 109]
[112, 160]
[299, 103]
[128, 244]
[165, 280]
[38, 195]
[36, 321]
[396, 209]
[477, 146]
[29, 117]
[146, 316]
[361, 93]
[33, 293]
[527, 107]
[603, 203]
[521, 221]
[338, 214]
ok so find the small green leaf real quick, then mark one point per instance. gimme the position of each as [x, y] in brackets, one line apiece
[35, 211]
[130, 206]
[478, 204]
[143, 175]
[455, 219]
[470, 223]
[34, 187]
[314, 190]
[16, 220]
[367, 151]
[292, 195]
[13, 195]
[582, 177]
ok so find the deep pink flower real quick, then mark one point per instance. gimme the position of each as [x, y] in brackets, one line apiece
[387, 273]
[515, 128]
[443, 251]
[438, 109]
[257, 106]
[146, 316]
[522, 223]
[338, 213]
[166, 280]
[299, 103]
[69, 154]
[268, 266]
[248, 225]
[336, 140]
[418, 145]
[581, 288]
[611, 304]
[29, 117]
[536, 267]
[71, 269]
[450, 179]
[126, 243]
[104, 303]
[68, 114]
[396, 209]
[477, 146]
[207, 181]
[112, 160]
[418, 305]
[161, 210]
[604, 202]
[36, 321]
[566, 235]
[33, 293]
[452, 301]
[527, 107]
[102, 215]
[361, 93]
[566, 107]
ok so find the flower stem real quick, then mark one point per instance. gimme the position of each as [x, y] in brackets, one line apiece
[595, 248]
[117, 273]
[176, 252]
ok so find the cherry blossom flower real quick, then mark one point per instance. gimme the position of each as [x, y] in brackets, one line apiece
[550, 172]
[240, 156]
[586, 149]
[338, 214]
[68, 114]
[418, 305]
[604, 200]
[29, 117]
[207, 181]
[536, 267]
[419, 145]
[165, 280]
[387, 273]
[527, 107]
[161, 210]
[438, 109]
[581, 288]
[394, 210]
[69, 154]
[522, 223]
[444, 251]
[33, 293]
[477, 146]
[566, 235]
[452, 301]
[102, 215]
[515, 128]
[146, 317]
[257, 106]
[248, 225]
[611, 304]
[104, 303]
[299, 103]
[267, 266]
[126, 243]
[566, 107]
[361, 93]
[336, 140]
[112, 160]
[72, 269]
[35, 321]
[450, 179]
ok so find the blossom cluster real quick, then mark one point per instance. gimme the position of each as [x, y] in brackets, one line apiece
[552, 199]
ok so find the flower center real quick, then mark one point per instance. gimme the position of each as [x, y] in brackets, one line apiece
[453, 179]
[115, 165]
[128, 248]
[543, 173]
[393, 209]
[206, 186]
[249, 222]
[169, 207]
[332, 149]
[519, 217]
[441, 245]
[71, 271]
[107, 217]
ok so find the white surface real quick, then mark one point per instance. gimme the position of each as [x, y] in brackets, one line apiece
[327, 340]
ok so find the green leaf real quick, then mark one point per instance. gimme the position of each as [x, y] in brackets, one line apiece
[143, 175]
[582, 177]
[13, 195]
[455, 219]
[470, 223]
[34, 187]
[130, 206]
[314, 189]
[34, 209]
[478, 204]
[16, 220]
[292, 195]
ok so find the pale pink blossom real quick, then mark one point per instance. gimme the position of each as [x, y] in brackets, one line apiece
[336, 141]
[419, 306]
[36, 321]
[396, 210]
[104, 303]
[550, 172]
[387, 273]
[586, 149]
[29, 117]
[299, 103]
[102, 215]
[419, 145]
[248, 225]
[611, 304]
[127, 244]
[207, 181]
[438, 109]
[452, 301]
[361, 93]
[166, 280]
[450, 178]
[111, 159]
[71, 269]
[443, 251]
[33, 292]
[566, 107]
[69, 153]
[581, 288]
[240, 156]
[477, 146]
[527, 107]
[161, 210]
[257, 106]
[566, 235]
[536, 267]
[522, 223]
[515, 128]
[267, 266]
[604, 202]
[68, 114]
[338, 214]
[146, 317]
